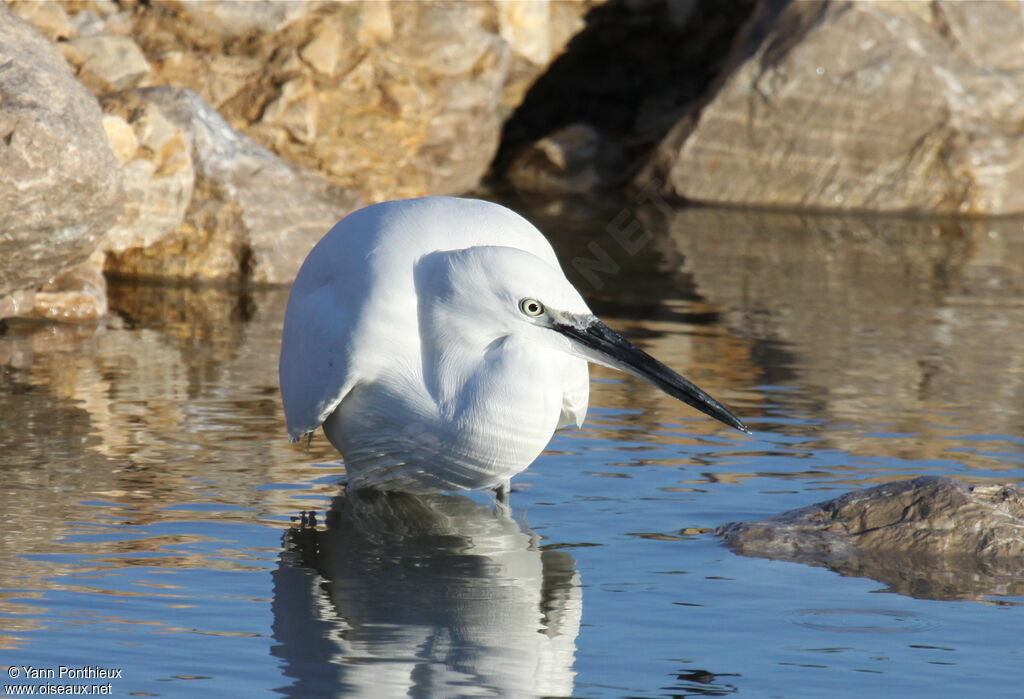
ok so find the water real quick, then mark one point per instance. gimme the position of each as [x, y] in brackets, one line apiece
[151, 522]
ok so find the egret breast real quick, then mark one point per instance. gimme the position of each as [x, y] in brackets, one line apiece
[394, 436]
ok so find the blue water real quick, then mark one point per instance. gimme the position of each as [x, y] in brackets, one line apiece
[152, 515]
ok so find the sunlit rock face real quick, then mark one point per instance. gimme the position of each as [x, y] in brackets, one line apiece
[60, 185]
[250, 215]
[156, 155]
[292, 115]
[871, 106]
[929, 537]
[393, 99]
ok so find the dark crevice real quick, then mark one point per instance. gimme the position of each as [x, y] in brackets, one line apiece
[631, 73]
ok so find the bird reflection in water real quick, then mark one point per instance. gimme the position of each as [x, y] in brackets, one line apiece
[424, 595]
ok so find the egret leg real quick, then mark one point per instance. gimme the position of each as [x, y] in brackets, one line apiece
[502, 491]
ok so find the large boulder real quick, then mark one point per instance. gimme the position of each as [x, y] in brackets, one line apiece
[391, 99]
[252, 216]
[627, 75]
[931, 536]
[881, 106]
[60, 185]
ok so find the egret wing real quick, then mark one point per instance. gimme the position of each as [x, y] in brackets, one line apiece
[315, 362]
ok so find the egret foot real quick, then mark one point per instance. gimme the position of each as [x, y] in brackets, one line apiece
[502, 491]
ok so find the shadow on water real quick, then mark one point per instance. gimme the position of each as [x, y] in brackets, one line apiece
[420, 595]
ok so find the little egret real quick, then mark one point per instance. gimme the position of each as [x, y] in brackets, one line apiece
[439, 345]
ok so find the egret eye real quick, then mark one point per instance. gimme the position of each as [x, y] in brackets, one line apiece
[531, 307]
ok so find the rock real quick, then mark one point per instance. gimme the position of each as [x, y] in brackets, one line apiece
[237, 18]
[88, 23]
[60, 185]
[48, 17]
[575, 159]
[123, 142]
[106, 62]
[863, 106]
[253, 217]
[323, 52]
[630, 69]
[931, 536]
[538, 33]
[390, 99]
[79, 294]
[159, 176]
[18, 304]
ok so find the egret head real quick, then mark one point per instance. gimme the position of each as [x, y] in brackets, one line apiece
[487, 293]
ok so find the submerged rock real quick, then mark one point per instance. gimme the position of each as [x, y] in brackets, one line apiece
[931, 537]
[60, 185]
[866, 106]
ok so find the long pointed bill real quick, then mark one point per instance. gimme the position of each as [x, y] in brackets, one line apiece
[599, 343]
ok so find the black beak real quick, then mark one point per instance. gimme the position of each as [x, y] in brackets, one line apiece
[611, 349]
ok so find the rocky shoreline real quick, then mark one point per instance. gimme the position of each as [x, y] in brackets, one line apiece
[216, 141]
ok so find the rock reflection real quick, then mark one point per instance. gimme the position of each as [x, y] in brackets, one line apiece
[897, 322]
[424, 595]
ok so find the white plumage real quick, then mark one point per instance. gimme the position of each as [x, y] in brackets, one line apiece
[439, 345]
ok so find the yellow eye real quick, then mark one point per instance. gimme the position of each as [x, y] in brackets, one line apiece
[531, 307]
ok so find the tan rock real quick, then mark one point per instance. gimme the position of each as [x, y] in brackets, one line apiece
[18, 304]
[48, 17]
[77, 295]
[323, 53]
[107, 62]
[872, 106]
[375, 24]
[252, 216]
[525, 25]
[234, 18]
[389, 99]
[121, 138]
[537, 33]
[87, 22]
[296, 110]
[159, 176]
[60, 185]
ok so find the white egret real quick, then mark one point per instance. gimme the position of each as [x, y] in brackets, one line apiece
[439, 345]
